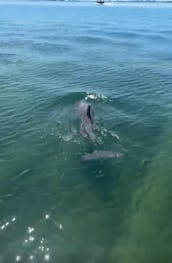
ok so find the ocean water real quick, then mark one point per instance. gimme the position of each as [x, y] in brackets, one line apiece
[54, 207]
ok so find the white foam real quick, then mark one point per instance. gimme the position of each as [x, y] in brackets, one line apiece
[113, 134]
[47, 216]
[42, 240]
[2, 227]
[60, 226]
[67, 138]
[18, 258]
[94, 96]
[31, 238]
[47, 257]
[42, 248]
[7, 223]
[30, 229]
[31, 257]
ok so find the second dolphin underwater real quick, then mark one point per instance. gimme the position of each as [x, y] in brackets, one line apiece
[88, 130]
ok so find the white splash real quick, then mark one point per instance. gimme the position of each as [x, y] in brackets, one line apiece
[94, 96]
[42, 240]
[31, 238]
[7, 223]
[91, 96]
[113, 134]
[47, 216]
[60, 226]
[31, 257]
[30, 229]
[47, 257]
[42, 248]
[18, 258]
[2, 227]
[67, 138]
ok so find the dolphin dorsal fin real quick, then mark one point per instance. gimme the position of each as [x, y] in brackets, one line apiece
[89, 113]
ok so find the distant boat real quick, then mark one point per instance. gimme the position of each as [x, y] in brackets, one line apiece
[100, 1]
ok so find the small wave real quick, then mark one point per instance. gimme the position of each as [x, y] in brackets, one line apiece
[50, 48]
[89, 39]
[156, 37]
[121, 34]
[8, 58]
[94, 96]
[167, 32]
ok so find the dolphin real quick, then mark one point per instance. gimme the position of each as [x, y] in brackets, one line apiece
[87, 126]
[103, 155]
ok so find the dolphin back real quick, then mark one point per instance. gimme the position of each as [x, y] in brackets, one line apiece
[99, 155]
[87, 126]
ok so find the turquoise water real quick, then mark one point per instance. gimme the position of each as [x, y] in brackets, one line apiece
[53, 206]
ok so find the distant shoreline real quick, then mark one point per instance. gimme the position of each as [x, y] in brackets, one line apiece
[87, 1]
[127, 3]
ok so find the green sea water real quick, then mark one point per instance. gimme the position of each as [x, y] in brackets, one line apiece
[54, 206]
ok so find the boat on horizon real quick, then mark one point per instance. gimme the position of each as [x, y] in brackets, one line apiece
[100, 1]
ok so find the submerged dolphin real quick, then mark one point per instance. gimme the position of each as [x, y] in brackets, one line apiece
[87, 129]
[87, 126]
[96, 155]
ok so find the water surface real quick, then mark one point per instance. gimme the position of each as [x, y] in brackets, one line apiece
[55, 207]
